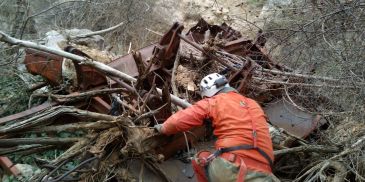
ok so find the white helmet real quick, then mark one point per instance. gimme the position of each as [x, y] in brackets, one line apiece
[211, 84]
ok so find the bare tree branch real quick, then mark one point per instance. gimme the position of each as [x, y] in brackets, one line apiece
[98, 32]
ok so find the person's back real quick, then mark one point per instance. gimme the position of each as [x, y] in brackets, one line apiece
[233, 117]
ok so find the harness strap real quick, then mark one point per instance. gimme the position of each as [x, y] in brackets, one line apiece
[253, 124]
[242, 171]
[243, 147]
[254, 133]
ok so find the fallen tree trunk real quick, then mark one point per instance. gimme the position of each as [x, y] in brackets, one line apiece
[5, 151]
[73, 97]
[97, 32]
[49, 115]
[26, 149]
[44, 140]
[100, 125]
[307, 148]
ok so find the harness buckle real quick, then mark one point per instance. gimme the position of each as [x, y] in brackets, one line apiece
[214, 155]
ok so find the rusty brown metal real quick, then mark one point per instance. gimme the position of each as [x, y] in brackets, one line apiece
[162, 53]
[100, 105]
[232, 42]
[166, 49]
[126, 63]
[87, 76]
[49, 66]
[242, 76]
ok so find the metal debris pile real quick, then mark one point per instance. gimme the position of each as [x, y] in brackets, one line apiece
[110, 118]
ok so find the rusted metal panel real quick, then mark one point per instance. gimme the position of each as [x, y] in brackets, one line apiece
[167, 48]
[126, 64]
[163, 51]
[49, 66]
[87, 76]
[100, 105]
[291, 119]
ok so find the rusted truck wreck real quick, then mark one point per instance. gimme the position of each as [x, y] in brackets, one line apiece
[117, 140]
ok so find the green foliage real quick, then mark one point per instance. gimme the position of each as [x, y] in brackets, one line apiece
[13, 93]
[65, 134]
[10, 179]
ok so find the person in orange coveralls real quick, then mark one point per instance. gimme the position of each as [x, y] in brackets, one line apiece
[243, 147]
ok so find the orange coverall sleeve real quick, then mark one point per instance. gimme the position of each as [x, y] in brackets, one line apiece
[185, 119]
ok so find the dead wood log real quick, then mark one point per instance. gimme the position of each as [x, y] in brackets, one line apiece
[43, 140]
[73, 97]
[353, 148]
[105, 138]
[307, 148]
[38, 149]
[266, 81]
[37, 86]
[99, 125]
[6, 151]
[48, 115]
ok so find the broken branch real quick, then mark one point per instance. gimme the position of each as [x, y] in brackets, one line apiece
[307, 148]
[50, 114]
[100, 125]
[79, 96]
[97, 32]
[45, 141]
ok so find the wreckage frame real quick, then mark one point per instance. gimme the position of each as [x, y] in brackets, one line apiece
[116, 113]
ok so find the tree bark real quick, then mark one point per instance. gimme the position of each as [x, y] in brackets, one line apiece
[98, 32]
[47, 116]
[99, 125]
[307, 148]
[45, 141]
[79, 96]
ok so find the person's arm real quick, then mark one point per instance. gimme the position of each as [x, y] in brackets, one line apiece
[185, 119]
